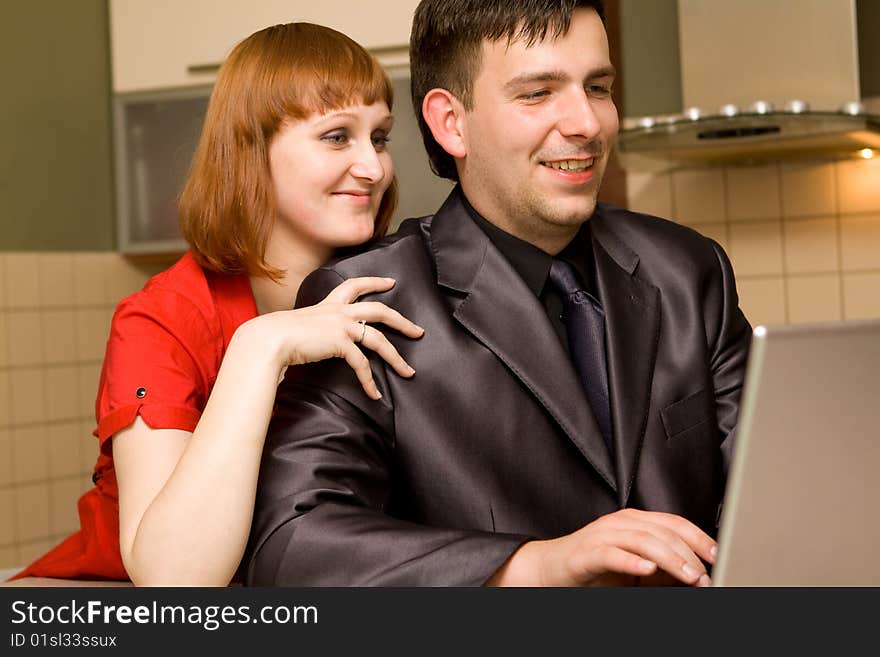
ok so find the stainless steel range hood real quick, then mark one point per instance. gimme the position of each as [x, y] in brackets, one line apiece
[762, 80]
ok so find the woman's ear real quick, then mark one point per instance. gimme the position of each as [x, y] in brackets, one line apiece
[444, 115]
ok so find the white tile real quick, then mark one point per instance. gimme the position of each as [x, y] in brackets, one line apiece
[753, 193]
[56, 280]
[30, 453]
[3, 302]
[5, 399]
[62, 397]
[60, 344]
[756, 248]
[811, 245]
[860, 242]
[861, 296]
[90, 276]
[6, 477]
[32, 550]
[762, 300]
[64, 494]
[32, 511]
[4, 339]
[698, 196]
[65, 444]
[126, 277]
[808, 189]
[24, 333]
[92, 331]
[7, 513]
[650, 193]
[859, 185]
[22, 280]
[9, 558]
[28, 397]
[88, 447]
[717, 232]
[89, 376]
[814, 298]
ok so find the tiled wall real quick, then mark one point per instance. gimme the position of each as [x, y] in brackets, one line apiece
[804, 237]
[55, 311]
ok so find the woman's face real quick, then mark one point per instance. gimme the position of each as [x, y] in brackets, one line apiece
[329, 172]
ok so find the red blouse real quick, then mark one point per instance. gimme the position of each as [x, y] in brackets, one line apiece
[164, 351]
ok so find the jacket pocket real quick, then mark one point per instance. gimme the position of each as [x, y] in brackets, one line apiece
[686, 414]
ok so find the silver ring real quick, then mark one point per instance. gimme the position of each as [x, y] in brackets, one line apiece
[363, 324]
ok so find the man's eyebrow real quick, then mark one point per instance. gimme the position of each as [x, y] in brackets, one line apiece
[555, 76]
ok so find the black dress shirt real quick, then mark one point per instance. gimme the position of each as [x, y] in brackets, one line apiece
[533, 265]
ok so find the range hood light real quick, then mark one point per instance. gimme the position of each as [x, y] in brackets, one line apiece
[866, 153]
[797, 106]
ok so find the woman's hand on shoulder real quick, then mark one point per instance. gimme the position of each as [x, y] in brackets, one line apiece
[334, 327]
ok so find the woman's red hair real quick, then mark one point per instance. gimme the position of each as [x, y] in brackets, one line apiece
[227, 206]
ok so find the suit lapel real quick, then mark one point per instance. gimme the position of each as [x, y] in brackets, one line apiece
[501, 312]
[632, 329]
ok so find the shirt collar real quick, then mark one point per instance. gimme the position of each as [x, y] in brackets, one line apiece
[531, 263]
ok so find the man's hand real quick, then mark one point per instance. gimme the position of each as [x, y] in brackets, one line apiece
[625, 548]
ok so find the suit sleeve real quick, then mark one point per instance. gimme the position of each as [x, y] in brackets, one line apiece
[322, 514]
[729, 339]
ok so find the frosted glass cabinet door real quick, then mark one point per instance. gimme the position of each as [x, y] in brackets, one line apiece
[156, 135]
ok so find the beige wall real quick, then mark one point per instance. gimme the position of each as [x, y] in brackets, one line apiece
[804, 238]
[55, 311]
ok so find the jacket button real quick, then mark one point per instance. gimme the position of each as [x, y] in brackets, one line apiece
[141, 393]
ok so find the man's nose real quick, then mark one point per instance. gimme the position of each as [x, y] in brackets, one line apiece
[579, 118]
[367, 165]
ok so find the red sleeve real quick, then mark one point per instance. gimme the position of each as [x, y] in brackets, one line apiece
[161, 361]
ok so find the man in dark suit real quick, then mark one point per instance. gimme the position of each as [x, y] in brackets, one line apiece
[578, 380]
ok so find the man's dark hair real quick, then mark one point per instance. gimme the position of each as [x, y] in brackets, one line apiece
[446, 42]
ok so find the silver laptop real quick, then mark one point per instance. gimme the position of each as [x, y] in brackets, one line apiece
[802, 505]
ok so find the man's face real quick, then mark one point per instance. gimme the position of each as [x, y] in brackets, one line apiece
[538, 137]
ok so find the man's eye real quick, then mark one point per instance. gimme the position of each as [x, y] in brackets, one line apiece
[534, 95]
[599, 90]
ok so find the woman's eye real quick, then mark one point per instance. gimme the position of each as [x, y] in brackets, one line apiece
[380, 141]
[335, 138]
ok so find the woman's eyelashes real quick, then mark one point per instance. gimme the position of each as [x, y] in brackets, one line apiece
[342, 137]
[380, 139]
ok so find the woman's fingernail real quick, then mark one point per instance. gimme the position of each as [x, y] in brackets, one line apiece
[410, 371]
[704, 581]
[714, 551]
[378, 395]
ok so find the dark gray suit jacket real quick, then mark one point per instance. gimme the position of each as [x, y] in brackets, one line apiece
[493, 443]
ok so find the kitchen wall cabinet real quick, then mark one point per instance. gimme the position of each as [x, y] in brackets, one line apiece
[161, 44]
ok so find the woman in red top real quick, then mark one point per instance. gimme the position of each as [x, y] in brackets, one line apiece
[292, 164]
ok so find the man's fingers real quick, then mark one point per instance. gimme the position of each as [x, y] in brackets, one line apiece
[348, 291]
[647, 545]
[698, 541]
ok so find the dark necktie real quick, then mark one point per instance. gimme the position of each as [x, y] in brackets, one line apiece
[585, 327]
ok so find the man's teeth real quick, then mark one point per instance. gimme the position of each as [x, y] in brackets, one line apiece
[570, 165]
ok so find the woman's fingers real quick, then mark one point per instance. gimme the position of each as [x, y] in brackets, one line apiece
[375, 311]
[373, 339]
[361, 366]
[348, 291]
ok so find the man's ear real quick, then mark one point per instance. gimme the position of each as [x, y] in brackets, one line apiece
[443, 113]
